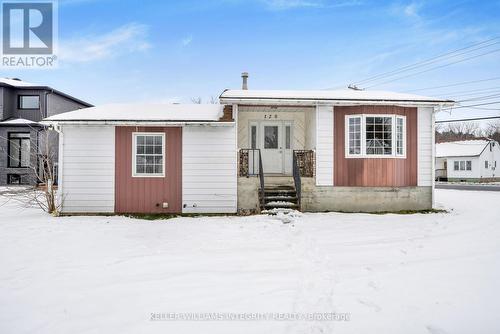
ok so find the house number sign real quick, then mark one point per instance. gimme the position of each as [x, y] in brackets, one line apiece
[270, 116]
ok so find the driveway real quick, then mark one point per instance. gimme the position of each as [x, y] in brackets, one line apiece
[481, 187]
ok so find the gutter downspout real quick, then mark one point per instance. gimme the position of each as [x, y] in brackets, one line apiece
[60, 165]
[433, 159]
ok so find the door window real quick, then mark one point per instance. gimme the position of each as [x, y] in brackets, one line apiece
[253, 136]
[288, 138]
[271, 137]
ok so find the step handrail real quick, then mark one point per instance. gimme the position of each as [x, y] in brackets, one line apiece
[261, 179]
[296, 180]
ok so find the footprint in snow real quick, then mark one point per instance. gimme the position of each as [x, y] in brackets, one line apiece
[372, 285]
[370, 304]
[435, 330]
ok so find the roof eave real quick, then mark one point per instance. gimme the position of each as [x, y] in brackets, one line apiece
[52, 90]
[316, 101]
[138, 122]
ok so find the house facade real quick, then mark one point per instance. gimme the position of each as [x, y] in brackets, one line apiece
[468, 161]
[355, 150]
[22, 106]
[343, 150]
[147, 158]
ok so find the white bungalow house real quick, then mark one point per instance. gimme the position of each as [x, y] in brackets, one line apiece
[468, 161]
[329, 150]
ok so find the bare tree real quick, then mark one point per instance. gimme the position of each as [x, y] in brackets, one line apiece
[493, 130]
[196, 100]
[41, 162]
[458, 131]
[199, 100]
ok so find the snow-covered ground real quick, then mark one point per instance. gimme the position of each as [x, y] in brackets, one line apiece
[434, 273]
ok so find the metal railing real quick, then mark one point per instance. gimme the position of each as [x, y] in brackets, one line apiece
[296, 179]
[261, 179]
[249, 161]
[250, 164]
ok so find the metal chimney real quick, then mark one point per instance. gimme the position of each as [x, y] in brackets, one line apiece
[244, 76]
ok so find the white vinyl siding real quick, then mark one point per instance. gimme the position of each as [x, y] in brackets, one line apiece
[458, 167]
[87, 163]
[324, 146]
[209, 169]
[425, 146]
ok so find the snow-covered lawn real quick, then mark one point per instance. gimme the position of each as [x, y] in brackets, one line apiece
[434, 273]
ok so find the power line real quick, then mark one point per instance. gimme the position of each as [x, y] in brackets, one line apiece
[471, 92]
[468, 119]
[434, 68]
[480, 98]
[484, 108]
[472, 105]
[455, 84]
[432, 60]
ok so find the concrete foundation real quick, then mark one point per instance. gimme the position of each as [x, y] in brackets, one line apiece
[481, 180]
[248, 195]
[346, 199]
[363, 199]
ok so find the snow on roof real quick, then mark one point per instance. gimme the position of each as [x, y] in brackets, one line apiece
[143, 113]
[342, 95]
[18, 121]
[17, 83]
[465, 148]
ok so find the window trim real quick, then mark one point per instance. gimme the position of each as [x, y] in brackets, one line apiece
[134, 153]
[457, 165]
[363, 154]
[468, 165]
[20, 96]
[20, 153]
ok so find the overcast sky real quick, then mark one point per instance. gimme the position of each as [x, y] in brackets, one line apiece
[168, 51]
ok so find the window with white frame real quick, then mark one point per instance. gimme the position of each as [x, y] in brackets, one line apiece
[148, 156]
[462, 165]
[375, 136]
[354, 126]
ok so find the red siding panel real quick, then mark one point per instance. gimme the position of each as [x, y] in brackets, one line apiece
[373, 172]
[147, 194]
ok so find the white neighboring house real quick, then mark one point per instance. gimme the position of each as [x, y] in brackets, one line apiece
[468, 160]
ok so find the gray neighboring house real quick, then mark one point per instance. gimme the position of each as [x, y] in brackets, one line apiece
[22, 106]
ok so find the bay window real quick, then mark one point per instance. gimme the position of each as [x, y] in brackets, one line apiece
[148, 155]
[375, 136]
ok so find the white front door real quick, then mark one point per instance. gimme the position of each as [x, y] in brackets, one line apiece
[276, 146]
[272, 147]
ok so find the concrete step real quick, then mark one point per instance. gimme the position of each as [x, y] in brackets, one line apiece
[279, 188]
[287, 193]
[281, 205]
[284, 180]
[282, 198]
[273, 185]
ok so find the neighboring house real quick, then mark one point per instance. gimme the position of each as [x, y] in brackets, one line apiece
[345, 150]
[468, 161]
[22, 106]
